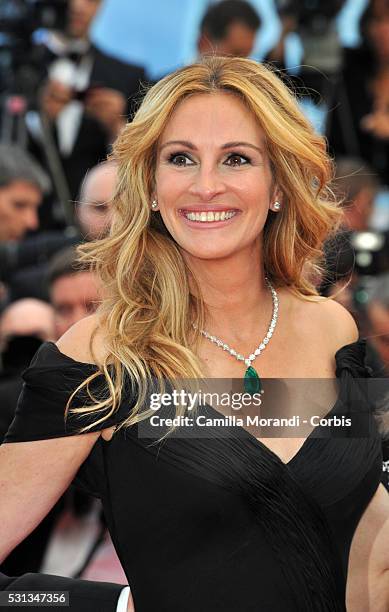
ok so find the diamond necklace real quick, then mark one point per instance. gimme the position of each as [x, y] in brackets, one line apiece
[252, 382]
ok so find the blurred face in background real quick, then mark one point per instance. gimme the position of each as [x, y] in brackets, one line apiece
[238, 41]
[27, 317]
[19, 202]
[94, 209]
[358, 213]
[378, 28]
[80, 16]
[73, 296]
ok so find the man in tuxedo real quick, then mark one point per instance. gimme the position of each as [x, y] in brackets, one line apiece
[81, 105]
[108, 87]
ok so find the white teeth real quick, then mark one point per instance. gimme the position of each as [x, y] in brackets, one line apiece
[209, 217]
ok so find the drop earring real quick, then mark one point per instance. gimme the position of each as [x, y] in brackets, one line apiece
[154, 204]
[276, 205]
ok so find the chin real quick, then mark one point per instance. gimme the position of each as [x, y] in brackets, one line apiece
[209, 253]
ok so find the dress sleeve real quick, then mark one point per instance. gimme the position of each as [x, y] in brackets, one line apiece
[49, 382]
[367, 396]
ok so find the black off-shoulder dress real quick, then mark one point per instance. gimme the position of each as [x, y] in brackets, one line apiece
[218, 524]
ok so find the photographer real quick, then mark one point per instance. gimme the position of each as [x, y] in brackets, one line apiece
[107, 86]
[314, 22]
[64, 137]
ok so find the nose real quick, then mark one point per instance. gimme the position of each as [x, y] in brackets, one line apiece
[31, 220]
[207, 183]
[80, 312]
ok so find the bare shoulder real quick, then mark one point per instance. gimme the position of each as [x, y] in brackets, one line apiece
[323, 319]
[337, 321]
[84, 341]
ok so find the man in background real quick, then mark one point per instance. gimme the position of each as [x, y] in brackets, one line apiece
[108, 87]
[73, 290]
[93, 217]
[229, 28]
[93, 209]
[22, 185]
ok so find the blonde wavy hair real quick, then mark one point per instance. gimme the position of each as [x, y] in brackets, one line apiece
[148, 309]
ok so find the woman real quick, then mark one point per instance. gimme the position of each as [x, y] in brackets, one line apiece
[220, 212]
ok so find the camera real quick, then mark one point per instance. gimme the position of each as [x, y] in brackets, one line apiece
[19, 20]
[316, 26]
[312, 16]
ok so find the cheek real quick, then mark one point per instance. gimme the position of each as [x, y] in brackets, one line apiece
[7, 211]
[169, 188]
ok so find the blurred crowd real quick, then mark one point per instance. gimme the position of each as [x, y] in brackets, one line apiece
[64, 101]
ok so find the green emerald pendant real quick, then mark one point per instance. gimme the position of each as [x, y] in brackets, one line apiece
[251, 381]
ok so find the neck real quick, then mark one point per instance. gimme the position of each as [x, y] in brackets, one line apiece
[237, 299]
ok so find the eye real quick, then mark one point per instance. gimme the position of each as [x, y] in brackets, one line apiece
[19, 205]
[236, 160]
[180, 159]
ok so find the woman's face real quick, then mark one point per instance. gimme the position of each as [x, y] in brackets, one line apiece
[213, 179]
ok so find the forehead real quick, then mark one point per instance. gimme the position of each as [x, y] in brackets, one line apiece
[240, 36]
[216, 117]
[100, 183]
[23, 190]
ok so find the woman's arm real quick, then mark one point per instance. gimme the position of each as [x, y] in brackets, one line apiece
[368, 575]
[33, 475]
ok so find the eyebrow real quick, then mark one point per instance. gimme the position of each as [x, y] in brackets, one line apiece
[227, 145]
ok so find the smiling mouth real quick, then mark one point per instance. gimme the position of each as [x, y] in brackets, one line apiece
[209, 216]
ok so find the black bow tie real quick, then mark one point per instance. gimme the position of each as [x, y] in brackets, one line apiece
[74, 56]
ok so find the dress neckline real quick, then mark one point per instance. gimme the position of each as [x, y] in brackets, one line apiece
[308, 440]
[354, 349]
[359, 343]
